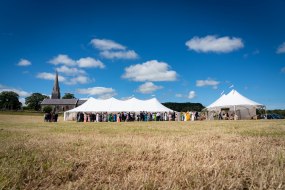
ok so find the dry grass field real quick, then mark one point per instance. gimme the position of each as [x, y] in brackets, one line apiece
[151, 155]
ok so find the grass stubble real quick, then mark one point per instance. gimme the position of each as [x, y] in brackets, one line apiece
[151, 155]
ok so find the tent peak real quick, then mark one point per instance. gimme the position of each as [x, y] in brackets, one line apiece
[233, 98]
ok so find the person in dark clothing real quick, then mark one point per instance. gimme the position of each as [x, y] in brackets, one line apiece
[220, 116]
[81, 117]
[55, 117]
[78, 116]
[92, 117]
[173, 116]
[48, 117]
[196, 115]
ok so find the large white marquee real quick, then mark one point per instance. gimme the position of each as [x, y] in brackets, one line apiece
[113, 105]
[237, 103]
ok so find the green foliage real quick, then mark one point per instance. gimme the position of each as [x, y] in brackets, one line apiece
[68, 96]
[34, 101]
[183, 107]
[277, 111]
[47, 109]
[9, 101]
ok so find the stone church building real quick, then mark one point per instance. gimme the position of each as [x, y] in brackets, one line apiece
[60, 105]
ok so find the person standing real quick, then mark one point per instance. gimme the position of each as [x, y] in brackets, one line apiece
[196, 115]
[158, 116]
[193, 116]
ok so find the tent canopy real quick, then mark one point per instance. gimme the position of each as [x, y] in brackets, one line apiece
[232, 99]
[115, 105]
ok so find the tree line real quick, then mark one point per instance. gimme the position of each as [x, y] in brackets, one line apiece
[184, 107]
[9, 100]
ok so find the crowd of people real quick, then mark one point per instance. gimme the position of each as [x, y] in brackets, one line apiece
[125, 116]
[189, 116]
[227, 116]
[51, 117]
[141, 116]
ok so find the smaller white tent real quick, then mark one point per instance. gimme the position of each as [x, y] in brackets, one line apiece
[235, 103]
[113, 105]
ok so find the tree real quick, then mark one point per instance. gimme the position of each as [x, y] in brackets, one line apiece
[68, 96]
[47, 109]
[9, 100]
[183, 107]
[34, 101]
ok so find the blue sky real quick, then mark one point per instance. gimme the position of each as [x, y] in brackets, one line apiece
[177, 51]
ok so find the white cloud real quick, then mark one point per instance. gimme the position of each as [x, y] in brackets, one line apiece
[81, 79]
[70, 71]
[101, 92]
[148, 88]
[20, 92]
[130, 54]
[283, 70]
[110, 49]
[208, 82]
[23, 101]
[90, 62]
[82, 62]
[63, 59]
[127, 97]
[150, 71]
[192, 94]
[104, 44]
[78, 80]
[281, 48]
[178, 95]
[70, 67]
[50, 76]
[24, 62]
[214, 44]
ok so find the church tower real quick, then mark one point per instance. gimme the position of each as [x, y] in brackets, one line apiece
[56, 90]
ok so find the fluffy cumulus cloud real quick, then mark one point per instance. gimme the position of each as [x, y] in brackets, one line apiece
[192, 94]
[214, 44]
[78, 80]
[50, 76]
[208, 82]
[24, 63]
[104, 44]
[110, 49]
[100, 92]
[63, 59]
[148, 88]
[20, 92]
[281, 48]
[71, 71]
[88, 62]
[130, 54]
[150, 71]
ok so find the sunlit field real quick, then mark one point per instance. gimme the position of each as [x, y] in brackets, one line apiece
[141, 155]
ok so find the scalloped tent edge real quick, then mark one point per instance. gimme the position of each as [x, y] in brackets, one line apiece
[113, 105]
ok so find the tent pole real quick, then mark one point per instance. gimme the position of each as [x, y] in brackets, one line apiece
[265, 112]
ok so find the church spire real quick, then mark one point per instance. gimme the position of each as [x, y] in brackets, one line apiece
[56, 90]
